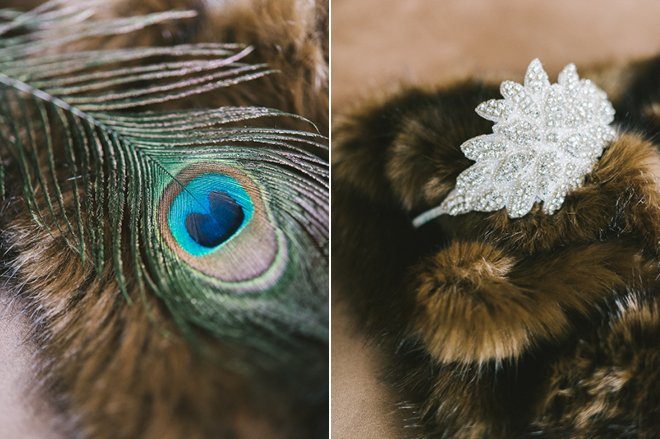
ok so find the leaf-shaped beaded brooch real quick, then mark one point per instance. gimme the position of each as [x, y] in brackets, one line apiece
[546, 138]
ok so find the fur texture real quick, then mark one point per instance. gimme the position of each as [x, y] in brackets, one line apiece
[123, 370]
[543, 326]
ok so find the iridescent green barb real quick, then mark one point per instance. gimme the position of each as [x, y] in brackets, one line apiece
[228, 224]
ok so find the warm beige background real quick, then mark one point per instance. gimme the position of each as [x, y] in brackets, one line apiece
[376, 43]
[20, 417]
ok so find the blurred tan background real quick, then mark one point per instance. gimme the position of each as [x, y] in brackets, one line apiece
[22, 416]
[378, 43]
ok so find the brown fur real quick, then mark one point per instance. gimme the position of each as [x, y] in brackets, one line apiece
[117, 369]
[475, 304]
[607, 378]
[481, 312]
[103, 361]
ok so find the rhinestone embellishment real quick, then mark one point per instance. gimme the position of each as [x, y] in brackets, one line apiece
[545, 139]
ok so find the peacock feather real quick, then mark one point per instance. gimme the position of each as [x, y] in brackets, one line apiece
[224, 219]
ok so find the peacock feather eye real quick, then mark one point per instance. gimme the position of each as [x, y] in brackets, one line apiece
[214, 218]
[209, 211]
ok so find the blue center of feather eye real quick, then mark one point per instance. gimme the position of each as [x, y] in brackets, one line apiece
[209, 211]
[214, 228]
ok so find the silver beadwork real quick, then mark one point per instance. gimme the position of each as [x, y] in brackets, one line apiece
[545, 139]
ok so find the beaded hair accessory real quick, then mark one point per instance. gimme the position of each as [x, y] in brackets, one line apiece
[546, 138]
